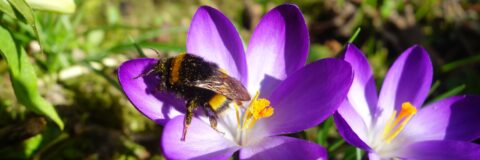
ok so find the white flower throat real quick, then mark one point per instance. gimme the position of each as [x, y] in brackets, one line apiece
[397, 122]
[239, 123]
[381, 140]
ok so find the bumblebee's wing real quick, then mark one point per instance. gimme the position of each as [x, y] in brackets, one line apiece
[224, 85]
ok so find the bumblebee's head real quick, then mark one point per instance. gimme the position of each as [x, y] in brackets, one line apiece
[160, 66]
[161, 70]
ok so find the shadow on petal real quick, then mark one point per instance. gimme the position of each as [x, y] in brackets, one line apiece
[202, 142]
[464, 118]
[213, 37]
[267, 85]
[169, 100]
[143, 93]
[278, 46]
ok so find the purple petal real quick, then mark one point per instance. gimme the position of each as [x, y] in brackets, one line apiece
[202, 142]
[213, 37]
[454, 118]
[278, 47]
[308, 96]
[408, 80]
[142, 92]
[363, 93]
[373, 156]
[439, 150]
[351, 126]
[281, 147]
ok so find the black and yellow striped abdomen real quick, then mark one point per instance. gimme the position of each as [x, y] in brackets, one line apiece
[200, 83]
[176, 64]
[186, 68]
[219, 102]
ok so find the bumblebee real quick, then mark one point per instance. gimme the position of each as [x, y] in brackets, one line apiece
[200, 83]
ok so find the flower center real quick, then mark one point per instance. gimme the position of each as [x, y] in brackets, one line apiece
[258, 109]
[246, 118]
[397, 122]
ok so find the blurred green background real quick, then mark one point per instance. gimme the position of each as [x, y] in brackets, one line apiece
[59, 97]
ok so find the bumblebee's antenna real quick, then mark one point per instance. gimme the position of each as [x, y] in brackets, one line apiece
[152, 70]
[144, 74]
[156, 51]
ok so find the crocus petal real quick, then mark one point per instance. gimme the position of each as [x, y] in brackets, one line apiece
[374, 156]
[307, 97]
[408, 80]
[202, 142]
[439, 150]
[143, 93]
[454, 118]
[363, 93]
[213, 37]
[350, 126]
[281, 147]
[278, 47]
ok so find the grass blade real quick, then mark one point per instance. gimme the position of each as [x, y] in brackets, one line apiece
[453, 65]
[451, 92]
[354, 36]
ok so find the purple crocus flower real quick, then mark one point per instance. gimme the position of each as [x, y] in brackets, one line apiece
[393, 125]
[288, 96]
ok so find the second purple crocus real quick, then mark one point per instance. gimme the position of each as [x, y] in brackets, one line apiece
[394, 124]
[287, 96]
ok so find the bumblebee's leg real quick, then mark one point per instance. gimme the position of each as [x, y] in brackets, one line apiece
[161, 87]
[145, 74]
[191, 104]
[212, 117]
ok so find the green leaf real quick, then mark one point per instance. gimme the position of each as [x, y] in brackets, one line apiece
[32, 144]
[24, 79]
[6, 8]
[22, 7]
[61, 6]
[322, 134]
